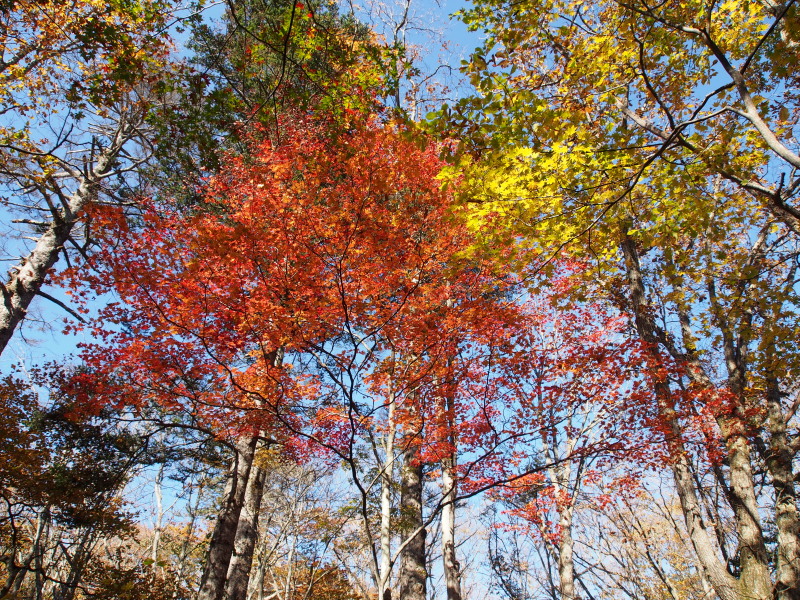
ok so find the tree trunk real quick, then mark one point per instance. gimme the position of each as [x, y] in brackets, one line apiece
[708, 552]
[17, 573]
[212, 584]
[158, 523]
[412, 580]
[244, 544]
[246, 537]
[787, 520]
[566, 568]
[27, 278]
[452, 570]
[754, 581]
[705, 547]
[77, 563]
[385, 570]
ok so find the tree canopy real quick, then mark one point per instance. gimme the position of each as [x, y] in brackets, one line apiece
[540, 344]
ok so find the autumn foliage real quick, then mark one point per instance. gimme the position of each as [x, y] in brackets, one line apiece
[302, 241]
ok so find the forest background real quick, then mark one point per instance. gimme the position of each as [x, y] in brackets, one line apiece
[355, 323]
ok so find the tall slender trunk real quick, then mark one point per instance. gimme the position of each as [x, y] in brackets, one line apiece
[754, 580]
[787, 520]
[246, 537]
[566, 567]
[385, 571]
[560, 473]
[212, 584]
[288, 588]
[68, 587]
[452, 570]
[159, 516]
[16, 573]
[411, 583]
[37, 551]
[705, 546]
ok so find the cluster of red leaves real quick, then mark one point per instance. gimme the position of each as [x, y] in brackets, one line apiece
[334, 252]
[299, 244]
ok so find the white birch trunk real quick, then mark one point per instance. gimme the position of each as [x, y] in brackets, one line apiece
[452, 569]
[159, 516]
[385, 569]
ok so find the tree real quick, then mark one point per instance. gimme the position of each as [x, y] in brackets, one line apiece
[61, 490]
[639, 547]
[260, 60]
[574, 408]
[267, 56]
[628, 135]
[333, 248]
[701, 86]
[73, 77]
[579, 402]
[297, 533]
